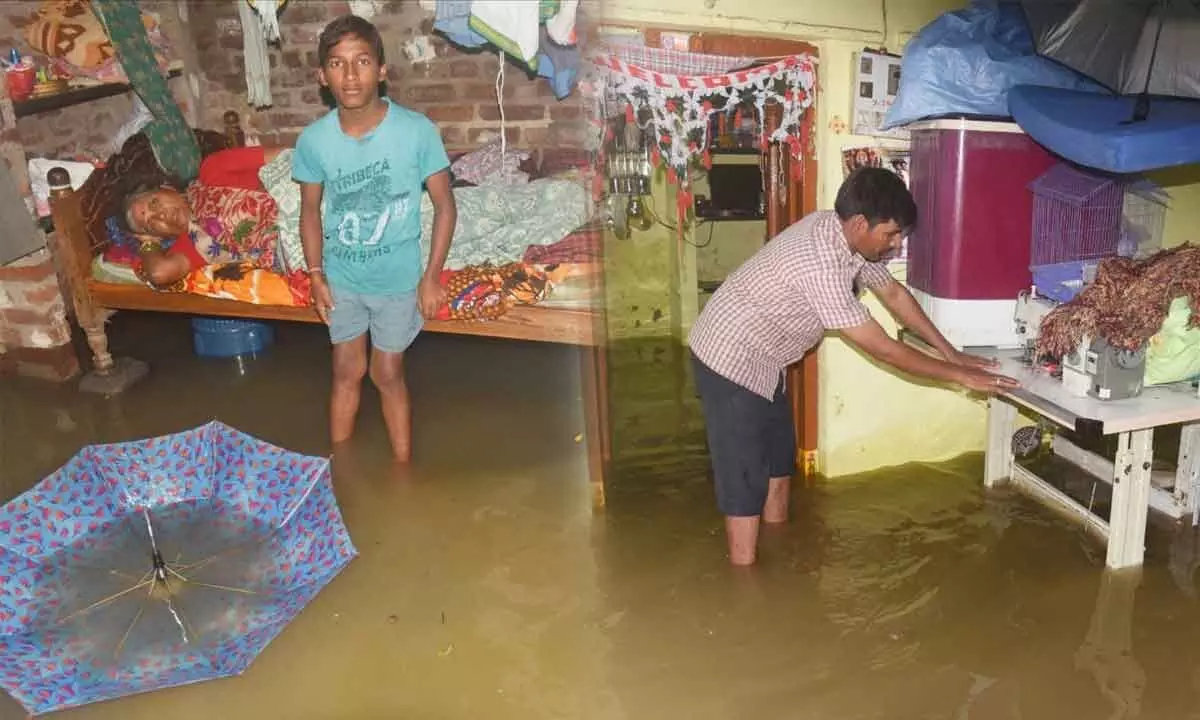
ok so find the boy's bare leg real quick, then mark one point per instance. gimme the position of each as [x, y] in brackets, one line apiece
[387, 372]
[349, 368]
[776, 508]
[742, 535]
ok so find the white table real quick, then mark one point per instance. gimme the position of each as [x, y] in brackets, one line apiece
[1133, 421]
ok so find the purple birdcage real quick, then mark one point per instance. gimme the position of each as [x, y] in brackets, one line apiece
[1076, 216]
[1076, 222]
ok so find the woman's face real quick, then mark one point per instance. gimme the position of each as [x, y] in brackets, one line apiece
[162, 213]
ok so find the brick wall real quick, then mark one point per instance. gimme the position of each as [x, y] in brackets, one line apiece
[455, 89]
[35, 337]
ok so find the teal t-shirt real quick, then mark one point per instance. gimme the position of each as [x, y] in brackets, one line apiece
[371, 197]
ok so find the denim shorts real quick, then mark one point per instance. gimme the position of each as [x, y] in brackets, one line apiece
[393, 320]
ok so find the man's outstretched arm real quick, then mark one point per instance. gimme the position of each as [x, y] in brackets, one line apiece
[871, 339]
[908, 312]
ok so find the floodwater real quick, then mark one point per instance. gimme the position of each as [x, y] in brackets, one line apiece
[486, 587]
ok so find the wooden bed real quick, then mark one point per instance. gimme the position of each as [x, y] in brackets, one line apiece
[79, 235]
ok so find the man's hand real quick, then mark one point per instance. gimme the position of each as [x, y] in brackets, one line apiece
[430, 297]
[967, 360]
[322, 299]
[985, 382]
[871, 338]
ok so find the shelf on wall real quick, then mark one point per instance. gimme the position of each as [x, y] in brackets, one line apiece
[76, 96]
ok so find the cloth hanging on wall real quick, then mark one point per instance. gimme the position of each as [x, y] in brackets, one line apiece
[676, 109]
[20, 236]
[562, 26]
[511, 25]
[174, 143]
[556, 62]
[259, 26]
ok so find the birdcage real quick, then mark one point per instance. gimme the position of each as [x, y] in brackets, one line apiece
[1142, 219]
[1077, 220]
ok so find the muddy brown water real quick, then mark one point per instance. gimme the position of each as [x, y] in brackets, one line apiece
[486, 588]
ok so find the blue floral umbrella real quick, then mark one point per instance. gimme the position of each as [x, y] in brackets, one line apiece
[144, 565]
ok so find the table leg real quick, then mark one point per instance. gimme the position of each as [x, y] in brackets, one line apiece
[1001, 424]
[1187, 474]
[1131, 499]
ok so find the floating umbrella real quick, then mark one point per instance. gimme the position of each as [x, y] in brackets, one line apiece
[150, 564]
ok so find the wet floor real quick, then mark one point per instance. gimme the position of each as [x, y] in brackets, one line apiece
[487, 589]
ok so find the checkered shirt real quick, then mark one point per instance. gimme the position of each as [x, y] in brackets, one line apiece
[774, 308]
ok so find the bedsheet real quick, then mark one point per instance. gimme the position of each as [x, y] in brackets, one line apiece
[566, 286]
[497, 223]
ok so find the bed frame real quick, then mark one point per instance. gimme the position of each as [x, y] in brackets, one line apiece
[94, 302]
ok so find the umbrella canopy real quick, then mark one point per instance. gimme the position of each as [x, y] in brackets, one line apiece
[1130, 46]
[144, 565]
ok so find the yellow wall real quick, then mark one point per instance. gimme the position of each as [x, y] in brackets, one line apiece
[869, 417]
[1183, 218]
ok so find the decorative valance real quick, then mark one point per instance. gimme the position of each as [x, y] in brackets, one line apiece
[677, 108]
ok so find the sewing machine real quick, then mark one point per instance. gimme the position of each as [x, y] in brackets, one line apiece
[1105, 372]
[1116, 373]
[1027, 316]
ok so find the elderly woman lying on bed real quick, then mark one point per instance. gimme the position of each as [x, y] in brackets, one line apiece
[224, 216]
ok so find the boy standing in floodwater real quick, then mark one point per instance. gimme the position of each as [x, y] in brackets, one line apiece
[362, 166]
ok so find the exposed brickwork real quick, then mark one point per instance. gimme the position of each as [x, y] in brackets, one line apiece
[456, 89]
[35, 337]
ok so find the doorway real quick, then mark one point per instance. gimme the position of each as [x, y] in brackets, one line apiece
[789, 196]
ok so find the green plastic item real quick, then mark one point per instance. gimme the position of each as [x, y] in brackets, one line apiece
[1173, 354]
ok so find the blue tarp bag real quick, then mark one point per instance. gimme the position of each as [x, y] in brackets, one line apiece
[964, 62]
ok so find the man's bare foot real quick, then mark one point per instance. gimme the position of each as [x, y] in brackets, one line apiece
[741, 533]
[775, 510]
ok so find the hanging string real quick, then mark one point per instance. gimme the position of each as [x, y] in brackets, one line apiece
[500, 103]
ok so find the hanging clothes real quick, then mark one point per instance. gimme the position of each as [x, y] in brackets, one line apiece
[452, 18]
[174, 143]
[258, 24]
[511, 25]
[562, 25]
[557, 63]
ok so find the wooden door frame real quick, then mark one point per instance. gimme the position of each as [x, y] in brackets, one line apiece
[802, 377]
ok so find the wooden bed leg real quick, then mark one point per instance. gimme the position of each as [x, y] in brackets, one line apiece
[97, 339]
[72, 251]
[593, 389]
[109, 375]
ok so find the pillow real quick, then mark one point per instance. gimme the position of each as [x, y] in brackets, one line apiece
[69, 33]
[70, 30]
[242, 222]
[276, 177]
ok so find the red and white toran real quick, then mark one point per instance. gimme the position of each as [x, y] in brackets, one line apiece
[672, 93]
